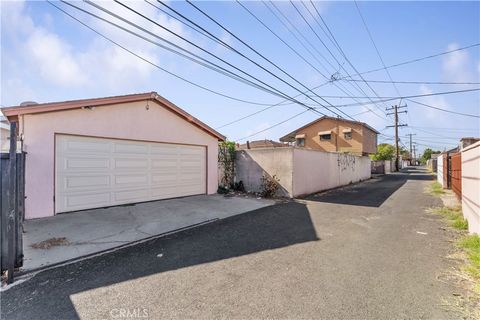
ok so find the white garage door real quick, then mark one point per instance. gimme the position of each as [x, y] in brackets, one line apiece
[97, 172]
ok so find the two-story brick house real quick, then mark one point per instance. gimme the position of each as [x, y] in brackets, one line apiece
[335, 135]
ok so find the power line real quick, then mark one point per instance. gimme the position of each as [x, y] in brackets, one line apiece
[288, 45]
[263, 57]
[448, 128]
[218, 58]
[375, 46]
[260, 111]
[150, 62]
[415, 60]
[273, 126]
[444, 110]
[414, 82]
[413, 96]
[343, 53]
[311, 45]
[199, 60]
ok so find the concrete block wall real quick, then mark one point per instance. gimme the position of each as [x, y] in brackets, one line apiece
[301, 171]
[471, 186]
[251, 164]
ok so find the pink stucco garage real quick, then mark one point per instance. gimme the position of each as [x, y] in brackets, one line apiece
[110, 151]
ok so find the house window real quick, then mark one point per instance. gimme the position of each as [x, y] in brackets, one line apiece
[324, 137]
[300, 142]
[347, 135]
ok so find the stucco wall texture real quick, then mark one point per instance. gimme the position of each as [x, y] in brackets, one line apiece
[133, 121]
[471, 186]
[300, 171]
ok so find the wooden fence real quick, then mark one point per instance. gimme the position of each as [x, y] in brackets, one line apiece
[456, 173]
[12, 204]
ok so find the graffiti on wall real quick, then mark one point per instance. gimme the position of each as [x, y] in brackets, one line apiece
[346, 161]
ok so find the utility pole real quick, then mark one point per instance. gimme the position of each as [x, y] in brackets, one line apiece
[396, 125]
[414, 146]
[411, 134]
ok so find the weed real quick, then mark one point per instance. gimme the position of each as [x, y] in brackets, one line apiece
[269, 185]
[471, 244]
[436, 189]
[454, 217]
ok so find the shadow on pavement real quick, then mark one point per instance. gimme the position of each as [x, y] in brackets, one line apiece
[47, 295]
[374, 192]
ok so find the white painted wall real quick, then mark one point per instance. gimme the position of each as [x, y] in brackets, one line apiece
[440, 169]
[471, 186]
[301, 171]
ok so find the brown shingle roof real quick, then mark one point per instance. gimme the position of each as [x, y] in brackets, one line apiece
[15, 111]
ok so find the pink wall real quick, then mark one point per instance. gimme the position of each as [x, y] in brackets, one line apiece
[315, 171]
[125, 121]
[471, 186]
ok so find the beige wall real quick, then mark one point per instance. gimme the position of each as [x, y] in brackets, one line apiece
[363, 140]
[471, 186]
[301, 171]
[124, 121]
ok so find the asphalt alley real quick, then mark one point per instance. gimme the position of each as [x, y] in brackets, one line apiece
[367, 251]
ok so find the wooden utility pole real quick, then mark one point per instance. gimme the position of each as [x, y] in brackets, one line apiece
[396, 125]
[414, 146]
[410, 135]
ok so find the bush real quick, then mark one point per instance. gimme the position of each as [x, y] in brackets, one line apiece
[222, 190]
[269, 185]
[238, 186]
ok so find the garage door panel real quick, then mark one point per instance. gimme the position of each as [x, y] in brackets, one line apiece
[132, 148]
[165, 149]
[131, 179]
[131, 195]
[85, 200]
[79, 163]
[164, 192]
[164, 164]
[130, 164]
[82, 146]
[97, 172]
[82, 181]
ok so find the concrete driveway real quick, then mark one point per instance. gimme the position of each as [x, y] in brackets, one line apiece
[69, 236]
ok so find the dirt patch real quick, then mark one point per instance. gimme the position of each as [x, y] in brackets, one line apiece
[52, 242]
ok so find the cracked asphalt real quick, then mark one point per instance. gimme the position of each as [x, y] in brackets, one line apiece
[367, 251]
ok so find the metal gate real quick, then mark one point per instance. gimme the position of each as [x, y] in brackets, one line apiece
[12, 204]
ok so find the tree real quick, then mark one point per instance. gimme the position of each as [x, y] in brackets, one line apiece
[427, 155]
[385, 151]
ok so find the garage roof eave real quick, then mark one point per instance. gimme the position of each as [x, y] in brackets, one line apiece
[13, 112]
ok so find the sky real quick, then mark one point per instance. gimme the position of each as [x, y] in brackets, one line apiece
[47, 56]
